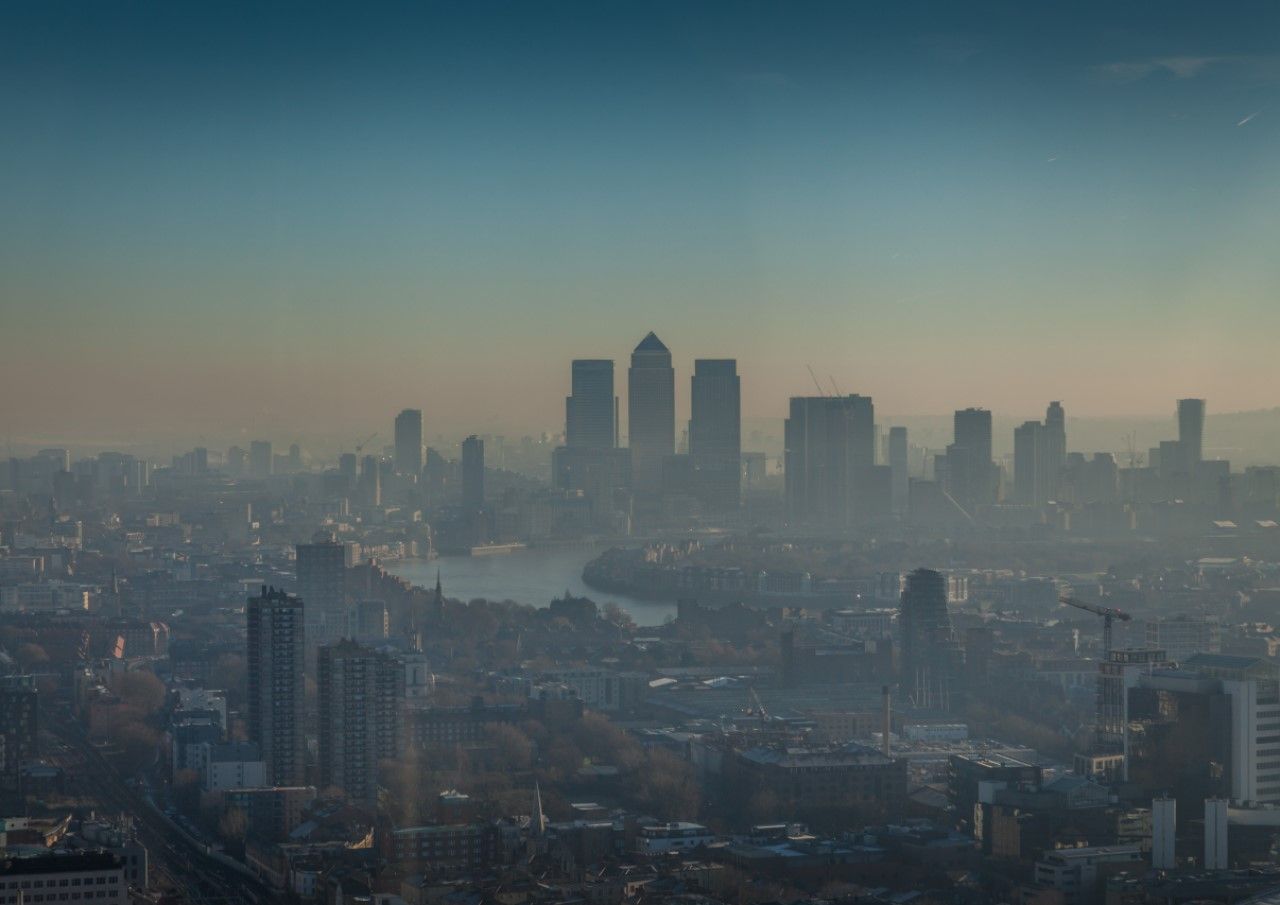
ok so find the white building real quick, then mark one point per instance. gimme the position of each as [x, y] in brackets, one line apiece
[1074, 871]
[82, 878]
[236, 765]
[672, 837]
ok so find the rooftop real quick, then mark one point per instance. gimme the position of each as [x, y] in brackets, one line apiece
[651, 343]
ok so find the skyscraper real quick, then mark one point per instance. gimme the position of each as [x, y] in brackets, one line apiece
[361, 697]
[1191, 433]
[930, 656]
[473, 474]
[830, 460]
[1029, 465]
[261, 459]
[651, 412]
[408, 442]
[321, 568]
[591, 409]
[276, 652]
[900, 485]
[971, 475]
[715, 433]
[1055, 449]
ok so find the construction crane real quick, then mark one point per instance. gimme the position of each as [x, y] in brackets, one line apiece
[821, 391]
[760, 711]
[365, 442]
[1108, 615]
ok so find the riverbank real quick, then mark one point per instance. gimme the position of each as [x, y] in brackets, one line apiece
[533, 576]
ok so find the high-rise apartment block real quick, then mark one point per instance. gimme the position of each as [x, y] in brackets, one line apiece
[322, 584]
[362, 697]
[277, 637]
[931, 657]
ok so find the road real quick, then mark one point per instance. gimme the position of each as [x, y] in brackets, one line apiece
[177, 862]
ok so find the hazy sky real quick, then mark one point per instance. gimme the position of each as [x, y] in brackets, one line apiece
[220, 217]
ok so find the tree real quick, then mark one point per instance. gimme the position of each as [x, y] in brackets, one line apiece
[233, 825]
[139, 690]
[30, 656]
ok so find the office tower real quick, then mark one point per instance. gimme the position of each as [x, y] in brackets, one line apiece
[590, 418]
[1029, 463]
[651, 412]
[371, 481]
[1055, 449]
[276, 653]
[830, 460]
[408, 442]
[1164, 821]
[235, 461]
[1215, 834]
[200, 460]
[1190, 434]
[715, 433]
[322, 584]
[362, 695]
[261, 462]
[19, 737]
[348, 467]
[930, 657]
[898, 471]
[971, 475]
[473, 474]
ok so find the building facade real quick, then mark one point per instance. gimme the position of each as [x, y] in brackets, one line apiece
[276, 660]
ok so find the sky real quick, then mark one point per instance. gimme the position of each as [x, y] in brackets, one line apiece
[222, 219]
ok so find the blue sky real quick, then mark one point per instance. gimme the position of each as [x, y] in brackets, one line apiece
[209, 211]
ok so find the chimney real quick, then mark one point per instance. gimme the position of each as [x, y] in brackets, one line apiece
[888, 721]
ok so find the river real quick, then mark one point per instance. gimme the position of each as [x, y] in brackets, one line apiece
[534, 576]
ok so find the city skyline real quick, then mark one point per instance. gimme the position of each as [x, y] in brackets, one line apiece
[883, 199]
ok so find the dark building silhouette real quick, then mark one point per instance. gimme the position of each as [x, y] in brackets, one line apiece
[715, 433]
[1040, 458]
[321, 567]
[1029, 464]
[277, 639]
[651, 412]
[408, 442]
[899, 480]
[473, 474]
[19, 737]
[971, 476]
[929, 653]
[361, 694]
[261, 459]
[590, 420]
[830, 460]
[1190, 434]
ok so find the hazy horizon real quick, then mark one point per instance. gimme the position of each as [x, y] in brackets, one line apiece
[231, 218]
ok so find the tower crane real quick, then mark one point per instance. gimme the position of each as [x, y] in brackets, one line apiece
[1107, 613]
[365, 442]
